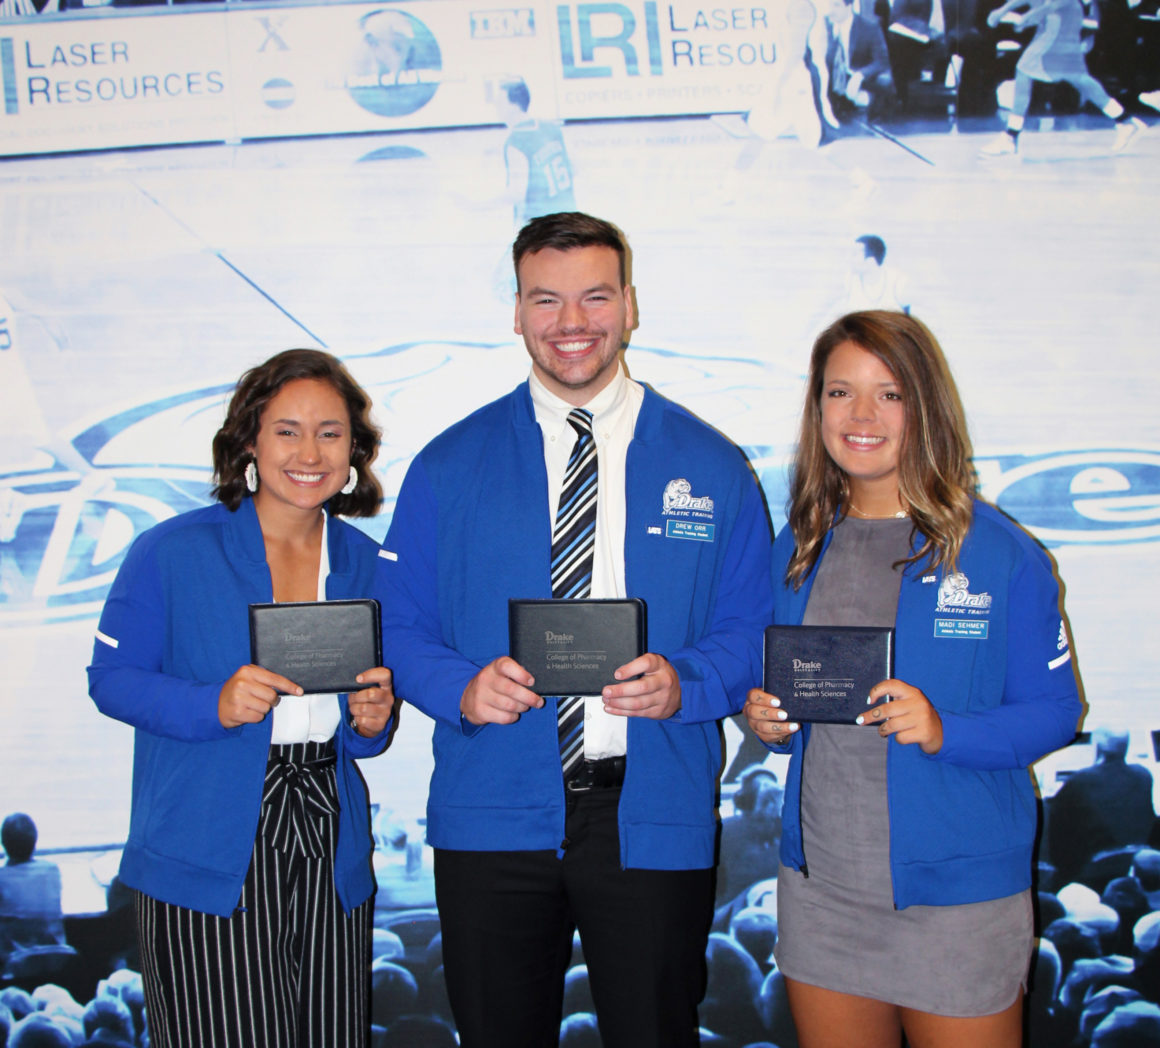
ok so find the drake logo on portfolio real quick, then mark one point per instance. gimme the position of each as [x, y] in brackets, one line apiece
[1107, 496]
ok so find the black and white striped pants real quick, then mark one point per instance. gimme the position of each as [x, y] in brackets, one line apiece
[288, 969]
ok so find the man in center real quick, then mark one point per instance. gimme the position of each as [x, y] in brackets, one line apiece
[540, 829]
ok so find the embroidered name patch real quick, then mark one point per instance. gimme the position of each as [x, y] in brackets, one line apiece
[687, 515]
[959, 613]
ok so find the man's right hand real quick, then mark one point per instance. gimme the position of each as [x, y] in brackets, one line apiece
[499, 693]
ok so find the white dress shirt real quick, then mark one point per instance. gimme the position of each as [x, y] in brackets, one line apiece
[614, 411]
[308, 718]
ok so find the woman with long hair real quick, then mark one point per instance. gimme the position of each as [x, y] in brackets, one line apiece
[904, 899]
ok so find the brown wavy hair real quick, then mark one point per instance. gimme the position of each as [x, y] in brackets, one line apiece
[936, 480]
[256, 388]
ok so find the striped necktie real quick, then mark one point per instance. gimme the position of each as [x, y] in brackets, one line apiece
[573, 540]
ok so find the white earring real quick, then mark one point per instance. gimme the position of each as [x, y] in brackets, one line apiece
[352, 483]
[251, 476]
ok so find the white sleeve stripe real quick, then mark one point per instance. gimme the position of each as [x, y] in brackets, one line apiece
[386, 554]
[1061, 660]
[104, 638]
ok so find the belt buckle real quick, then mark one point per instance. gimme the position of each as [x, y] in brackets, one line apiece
[607, 773]
[581, 779]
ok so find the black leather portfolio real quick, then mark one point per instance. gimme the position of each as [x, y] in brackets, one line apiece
[319, 645]
[572, 647]
[824, 673]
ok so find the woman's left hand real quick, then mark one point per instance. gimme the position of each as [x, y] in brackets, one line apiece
[370, 709]
[909, 716]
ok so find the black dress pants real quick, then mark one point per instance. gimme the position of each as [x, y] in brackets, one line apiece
[508, 919]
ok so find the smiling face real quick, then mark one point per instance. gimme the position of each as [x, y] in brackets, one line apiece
[573, 313]
[302, 448]
[863, 424]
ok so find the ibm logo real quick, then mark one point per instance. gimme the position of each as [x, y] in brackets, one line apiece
[503, 23]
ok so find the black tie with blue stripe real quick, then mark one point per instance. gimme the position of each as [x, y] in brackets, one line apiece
[573, 542]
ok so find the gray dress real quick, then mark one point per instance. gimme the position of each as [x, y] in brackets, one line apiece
[838, 928]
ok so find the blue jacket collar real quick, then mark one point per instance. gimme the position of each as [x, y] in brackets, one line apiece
[244, 541]
[244, 533]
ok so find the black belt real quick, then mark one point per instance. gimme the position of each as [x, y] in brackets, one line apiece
[606, 774]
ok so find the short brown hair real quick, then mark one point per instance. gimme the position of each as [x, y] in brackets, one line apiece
[256, 388]
[565, 231]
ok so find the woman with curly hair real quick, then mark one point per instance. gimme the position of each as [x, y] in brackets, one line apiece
[249, 846]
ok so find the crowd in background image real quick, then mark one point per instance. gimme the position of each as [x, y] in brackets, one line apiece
[1095, 982]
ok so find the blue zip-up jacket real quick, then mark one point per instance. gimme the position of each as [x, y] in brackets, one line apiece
[174, 629]
[988, 647]
[471, 529]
